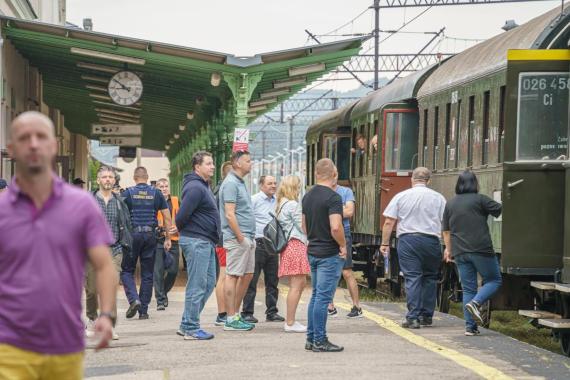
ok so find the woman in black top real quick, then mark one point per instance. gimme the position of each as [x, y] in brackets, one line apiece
[468, 242]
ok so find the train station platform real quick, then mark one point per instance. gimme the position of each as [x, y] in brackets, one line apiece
[375, 347]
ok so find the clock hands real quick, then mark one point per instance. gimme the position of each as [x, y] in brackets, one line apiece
[122, 85]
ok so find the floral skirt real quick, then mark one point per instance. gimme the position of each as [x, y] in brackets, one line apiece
[294, 260]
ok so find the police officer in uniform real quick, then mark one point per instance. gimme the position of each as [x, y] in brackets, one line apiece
[144, 202]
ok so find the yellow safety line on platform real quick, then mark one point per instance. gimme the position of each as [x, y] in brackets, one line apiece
[480, 368]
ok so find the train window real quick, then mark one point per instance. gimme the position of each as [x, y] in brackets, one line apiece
[330, 147]
[425, 139]
[359, 151]
[353, 161]
[401, 141]
[542, 120]
[447, 135]
[343, 157]
[471, 129]
[502, 122]
[369, 153]
[457, 133]
[373, 147]
[435, 137]
[486, 105]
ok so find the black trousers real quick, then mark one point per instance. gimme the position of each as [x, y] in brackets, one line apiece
[269, 263]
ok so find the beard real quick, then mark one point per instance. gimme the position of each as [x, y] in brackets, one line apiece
[106, 186]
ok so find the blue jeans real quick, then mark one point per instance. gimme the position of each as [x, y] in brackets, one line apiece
[325, 274]
[420, 259]
[144, 246]
[164, 279]
[201, 266]
[469, 264]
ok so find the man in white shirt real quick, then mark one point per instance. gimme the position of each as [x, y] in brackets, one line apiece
[419, 212]
[264, 204]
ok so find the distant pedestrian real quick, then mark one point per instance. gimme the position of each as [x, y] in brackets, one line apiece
[199, 224]
[293, 263]
[48, 231]
[166, 262]
[117, 216]
[347, 212]
[3, 185]
[468, 243]
[264, 203]
[418, 212]
[322, 221]
[221, 256]
[238, 229]
[78, 182]
[144, 202]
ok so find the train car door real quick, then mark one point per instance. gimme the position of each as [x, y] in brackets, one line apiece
[535, 180]
[399, 153]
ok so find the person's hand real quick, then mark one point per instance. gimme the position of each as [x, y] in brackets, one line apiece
[342, 252]
[385, 249]
[447, 256]
[353, 150]
[173, 230]
[167, 244]
[103, 331]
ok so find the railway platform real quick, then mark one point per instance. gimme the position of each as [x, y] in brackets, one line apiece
[375, 347]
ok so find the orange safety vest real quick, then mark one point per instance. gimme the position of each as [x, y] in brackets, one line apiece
[175, 208]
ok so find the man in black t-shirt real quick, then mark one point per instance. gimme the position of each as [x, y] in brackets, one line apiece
[322, 222]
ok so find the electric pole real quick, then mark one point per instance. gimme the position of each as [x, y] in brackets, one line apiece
[376, 41]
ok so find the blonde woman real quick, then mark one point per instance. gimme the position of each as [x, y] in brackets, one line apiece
[293, 262]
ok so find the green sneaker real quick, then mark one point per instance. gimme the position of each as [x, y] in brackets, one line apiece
[238, 325]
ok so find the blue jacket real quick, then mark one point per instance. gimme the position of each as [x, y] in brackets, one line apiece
[198, 216]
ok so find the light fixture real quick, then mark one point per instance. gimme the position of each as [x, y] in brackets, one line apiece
[93, 78]
[176, 136]
[167, 147]
[274, 93]
[199, 100]
[130, 108]
[102, 97]
[92, 66]
[118, 113]
[182, 127]
[110, 57]
[190, 115]
[262, 102]
[289, 82]
[171, 141]
[306, 69]
[215, 79]
[96, 88]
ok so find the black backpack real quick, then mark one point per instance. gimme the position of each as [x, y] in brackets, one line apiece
[274, 237]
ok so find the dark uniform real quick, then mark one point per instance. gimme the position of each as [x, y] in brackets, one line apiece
[144, 202]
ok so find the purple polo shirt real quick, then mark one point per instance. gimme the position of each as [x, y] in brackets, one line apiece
[42, 264]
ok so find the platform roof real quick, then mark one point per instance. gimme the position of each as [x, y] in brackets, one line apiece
[178, 97]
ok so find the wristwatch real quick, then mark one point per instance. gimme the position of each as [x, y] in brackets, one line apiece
[107, 314]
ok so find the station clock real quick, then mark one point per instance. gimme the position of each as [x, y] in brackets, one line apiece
[125, 88]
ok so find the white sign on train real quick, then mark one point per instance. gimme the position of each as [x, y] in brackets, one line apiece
[120, 140]
[116, 129]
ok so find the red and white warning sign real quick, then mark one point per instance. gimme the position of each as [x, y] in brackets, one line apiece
[241, 139]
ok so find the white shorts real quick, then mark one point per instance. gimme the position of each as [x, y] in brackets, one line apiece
[240, 258]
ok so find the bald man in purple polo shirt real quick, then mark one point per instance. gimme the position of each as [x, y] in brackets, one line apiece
[48, 231]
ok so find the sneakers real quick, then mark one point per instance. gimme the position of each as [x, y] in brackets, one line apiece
[274, 318]
[309, 345]
[326, 346]
[143, 316]
[474, 309]
[180, 332]
[198, 335]
[115, 335]
[160, 307]
[221, 319]
[133, 308]
[90, 329]
[410, 324]
[295, 328]
[426, 321]
[332, 312]
[238, 325]
[249, 318]
[472, 331]
[355, 312]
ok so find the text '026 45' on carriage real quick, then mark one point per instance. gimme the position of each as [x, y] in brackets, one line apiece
[500, 109]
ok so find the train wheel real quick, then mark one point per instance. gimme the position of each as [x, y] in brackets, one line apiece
[565, 343]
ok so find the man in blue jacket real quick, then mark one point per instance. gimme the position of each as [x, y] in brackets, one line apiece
[198, 223]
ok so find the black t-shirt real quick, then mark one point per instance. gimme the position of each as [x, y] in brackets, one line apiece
[318, 204]
[465, 216]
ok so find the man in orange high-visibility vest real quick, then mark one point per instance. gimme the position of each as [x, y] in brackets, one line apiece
[165, 263]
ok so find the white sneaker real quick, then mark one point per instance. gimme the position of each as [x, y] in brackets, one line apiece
[295, 328]
[90, 329]
[115, 335]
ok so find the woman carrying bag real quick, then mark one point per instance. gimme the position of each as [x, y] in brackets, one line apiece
[293, 262]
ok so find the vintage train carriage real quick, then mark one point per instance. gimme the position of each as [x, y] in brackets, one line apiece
[468, 117]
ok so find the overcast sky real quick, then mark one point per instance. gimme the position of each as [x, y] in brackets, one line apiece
[248, 27]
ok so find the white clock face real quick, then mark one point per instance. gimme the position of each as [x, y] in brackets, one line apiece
[125, 88]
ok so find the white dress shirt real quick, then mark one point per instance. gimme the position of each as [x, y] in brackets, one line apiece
[262, 206]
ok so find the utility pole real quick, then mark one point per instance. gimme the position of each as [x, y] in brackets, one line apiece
[290, 144]
[376, 41]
